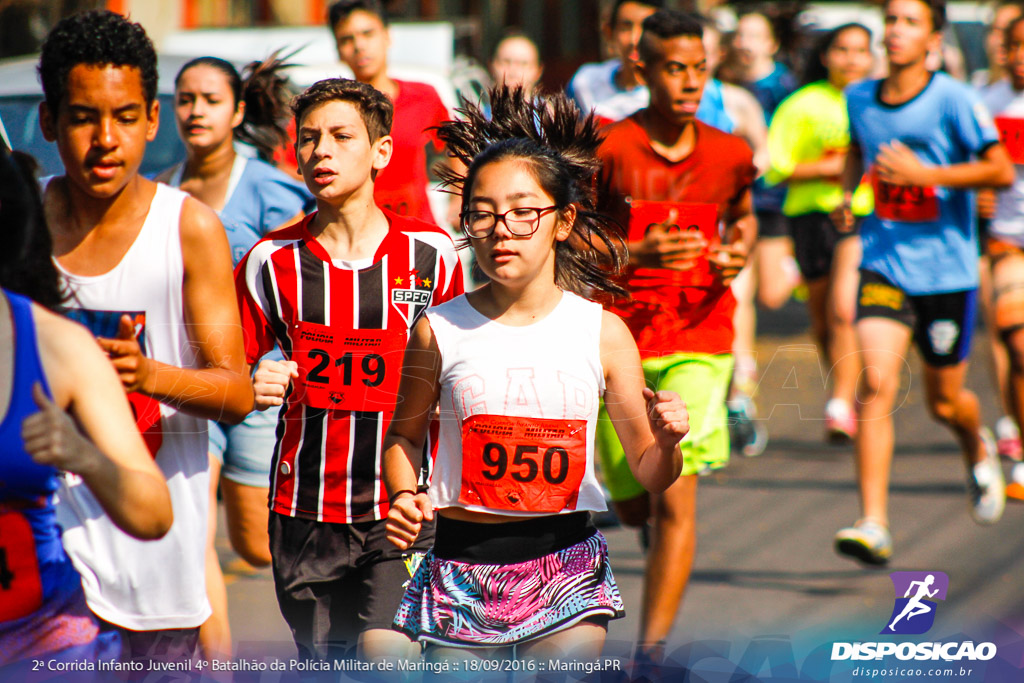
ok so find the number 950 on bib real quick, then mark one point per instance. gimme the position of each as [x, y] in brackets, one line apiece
[522, 464]
[347, 369]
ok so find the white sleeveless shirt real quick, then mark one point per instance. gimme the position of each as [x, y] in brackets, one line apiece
[518, 410]
[146, 585]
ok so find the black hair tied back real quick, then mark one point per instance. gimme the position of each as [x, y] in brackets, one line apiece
[266, 93]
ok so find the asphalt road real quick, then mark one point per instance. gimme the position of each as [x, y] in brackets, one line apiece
[768, 595]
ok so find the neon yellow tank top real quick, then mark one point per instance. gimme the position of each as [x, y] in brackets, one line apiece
[809, 123]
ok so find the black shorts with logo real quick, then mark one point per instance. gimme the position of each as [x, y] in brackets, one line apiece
[334, 581]
[942, 323]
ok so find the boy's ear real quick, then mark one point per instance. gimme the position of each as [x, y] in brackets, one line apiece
[638, 70]
[47, 122]
[153, 124]
[383, 148]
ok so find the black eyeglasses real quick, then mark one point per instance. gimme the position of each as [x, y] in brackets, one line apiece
[521, 221]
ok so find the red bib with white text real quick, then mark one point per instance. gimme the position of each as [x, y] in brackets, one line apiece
[347, 369]
[645, 215]
[522, 464]
[904, 203]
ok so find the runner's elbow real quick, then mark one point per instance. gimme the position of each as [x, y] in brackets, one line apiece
[153, 518]
[239, 402]
[1006, 176]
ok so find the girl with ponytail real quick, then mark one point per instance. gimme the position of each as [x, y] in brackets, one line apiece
[519, 367]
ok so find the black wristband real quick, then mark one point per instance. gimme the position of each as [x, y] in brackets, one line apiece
[396, 494]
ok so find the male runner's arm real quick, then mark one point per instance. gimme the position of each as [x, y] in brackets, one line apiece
[88, 429]
[792, 125]
[853, 171]
[828, 167]
[418, 392]
[740, 234]
[899, 165]
[220, 389]
[649, 425]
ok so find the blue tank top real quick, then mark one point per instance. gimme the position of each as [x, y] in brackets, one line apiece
[42, 606]
[712, 107]
[770, 91]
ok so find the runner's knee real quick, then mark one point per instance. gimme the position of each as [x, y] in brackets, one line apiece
[251, 546]
[942, 409]
[633, 512]
[677, 506]
[1014, 341]
[875, 386]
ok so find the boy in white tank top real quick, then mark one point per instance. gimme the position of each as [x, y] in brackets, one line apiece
[139, 260]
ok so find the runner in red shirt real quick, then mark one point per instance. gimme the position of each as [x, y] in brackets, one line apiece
[339, 291]
[360, 28]
[683, 190]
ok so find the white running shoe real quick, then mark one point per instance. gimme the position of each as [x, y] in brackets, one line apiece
[1008, 438]
[867, 541]
[986, 487]
[840, 422]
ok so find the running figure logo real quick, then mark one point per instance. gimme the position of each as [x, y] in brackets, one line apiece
[914, 613]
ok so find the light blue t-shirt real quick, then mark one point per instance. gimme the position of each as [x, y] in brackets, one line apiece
[944, 124]
[712, 107]
[260, 198]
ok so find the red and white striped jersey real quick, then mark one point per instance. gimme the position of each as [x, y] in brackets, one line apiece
[327, 461]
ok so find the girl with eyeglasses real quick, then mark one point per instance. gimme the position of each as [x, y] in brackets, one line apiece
[519, 367]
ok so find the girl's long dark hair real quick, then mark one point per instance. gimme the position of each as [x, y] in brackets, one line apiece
[816, 69]
[26, 260]
[549, 134]
[266, 93]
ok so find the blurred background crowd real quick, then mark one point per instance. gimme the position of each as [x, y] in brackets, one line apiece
[449, 44]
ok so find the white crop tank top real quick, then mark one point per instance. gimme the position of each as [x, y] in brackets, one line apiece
[518, 410]
[145, 585]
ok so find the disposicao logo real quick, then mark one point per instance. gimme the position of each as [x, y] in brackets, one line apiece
[914, 613]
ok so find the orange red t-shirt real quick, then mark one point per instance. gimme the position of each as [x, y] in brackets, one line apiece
[674, 311]
[402, 186]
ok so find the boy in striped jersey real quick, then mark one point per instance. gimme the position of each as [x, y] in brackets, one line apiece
[339, 291]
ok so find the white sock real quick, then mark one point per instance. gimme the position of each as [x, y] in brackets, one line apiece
[838, 408]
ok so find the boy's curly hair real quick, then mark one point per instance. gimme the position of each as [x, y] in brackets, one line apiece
[96, 37]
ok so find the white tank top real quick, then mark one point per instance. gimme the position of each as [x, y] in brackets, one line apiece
[147, 585]
[518, 410]
[1008, 223]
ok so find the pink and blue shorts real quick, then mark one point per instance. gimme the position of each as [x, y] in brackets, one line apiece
[494, 585]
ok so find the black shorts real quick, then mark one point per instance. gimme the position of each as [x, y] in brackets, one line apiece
[942, 323]
[771, 224]
[815, 237]
[334, 581]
